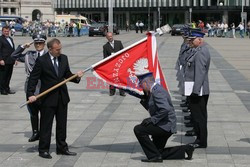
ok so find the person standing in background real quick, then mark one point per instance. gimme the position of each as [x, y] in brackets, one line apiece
[7, 47]
[110, 48]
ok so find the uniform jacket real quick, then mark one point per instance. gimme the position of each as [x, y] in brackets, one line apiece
[44, 70]
[6, 50]
[160, 108]
[196, 69]
[108, 49]
[29, 58]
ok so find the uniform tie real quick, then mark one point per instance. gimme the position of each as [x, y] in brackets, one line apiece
[55, 66]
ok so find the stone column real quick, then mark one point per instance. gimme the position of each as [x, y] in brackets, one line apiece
[187, 17]
[9, 12]
[1, 11]
[102, 16]
[127, 18]
[155, 20]
[225, 17]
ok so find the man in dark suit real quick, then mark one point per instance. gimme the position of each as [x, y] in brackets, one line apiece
[7, 46]
[52, 68]
[110, 48]
[160, 125]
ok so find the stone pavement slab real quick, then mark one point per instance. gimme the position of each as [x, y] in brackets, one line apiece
[100, 127]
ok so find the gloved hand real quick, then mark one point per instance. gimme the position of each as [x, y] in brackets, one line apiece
[194, 95]
[146, 122]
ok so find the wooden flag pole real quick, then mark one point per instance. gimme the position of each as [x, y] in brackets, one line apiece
[54, 87]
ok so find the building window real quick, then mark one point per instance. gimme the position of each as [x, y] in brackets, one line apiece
[13, 11]
[5, 10]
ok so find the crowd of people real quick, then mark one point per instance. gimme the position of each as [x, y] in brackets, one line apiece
[49, 28]
[222, 29]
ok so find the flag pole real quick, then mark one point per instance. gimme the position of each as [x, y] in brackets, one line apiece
[54, 87]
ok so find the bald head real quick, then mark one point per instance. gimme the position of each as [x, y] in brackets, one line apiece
[109, 36]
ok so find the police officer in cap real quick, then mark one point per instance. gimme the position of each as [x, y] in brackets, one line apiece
[196, 73]
[29, 58]
[161, 123]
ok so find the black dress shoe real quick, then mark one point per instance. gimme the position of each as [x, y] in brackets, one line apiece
[111, 94]
[45, 155]
[189, 150]
[4, 93]
[197, 145]
[65, 152]
[122, 94]
[185, 110]
[155, 159]
[11, 92]
[189, 125]
[190, 133]
[188, 117]
[184, 105]
[34, 137]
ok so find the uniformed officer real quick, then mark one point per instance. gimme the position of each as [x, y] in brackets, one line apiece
[196, 73]
[160, 125]
[29, 58]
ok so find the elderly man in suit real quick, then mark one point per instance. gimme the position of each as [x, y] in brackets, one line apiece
[52, 68]
[196, 74]
[7, 46]
[110, 48]
[29, 58]
[160, 125]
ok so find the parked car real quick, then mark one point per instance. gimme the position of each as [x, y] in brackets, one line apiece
[98, 29]
[18, 27]
[176, 29]
[115, 28]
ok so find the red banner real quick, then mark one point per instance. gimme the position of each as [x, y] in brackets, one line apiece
[120, 69]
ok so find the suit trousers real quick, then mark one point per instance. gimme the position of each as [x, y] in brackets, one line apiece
[6, 71]
[112, 90]
[198, 107]
[159, 139]
[47, 116]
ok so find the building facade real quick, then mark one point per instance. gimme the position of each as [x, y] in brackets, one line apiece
[28, 9]
[157, 12]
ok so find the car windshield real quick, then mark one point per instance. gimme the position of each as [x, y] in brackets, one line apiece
[97, 25]
[178, 26]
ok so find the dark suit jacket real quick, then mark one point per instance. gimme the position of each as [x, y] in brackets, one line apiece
[45, 71]
[160, 108]
[6, 50]
[108, 49]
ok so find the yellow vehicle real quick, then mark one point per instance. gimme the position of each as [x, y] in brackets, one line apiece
[72, 18]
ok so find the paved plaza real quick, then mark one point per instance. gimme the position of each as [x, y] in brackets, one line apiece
[100, 127]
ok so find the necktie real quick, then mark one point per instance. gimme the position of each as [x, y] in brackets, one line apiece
[55, 66]
[38, 54]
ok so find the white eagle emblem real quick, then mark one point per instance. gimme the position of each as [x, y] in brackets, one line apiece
[140, 67]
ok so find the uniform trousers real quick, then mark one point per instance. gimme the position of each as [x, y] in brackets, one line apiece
[33, 109]
[151, 147]
[47, 116]
[198, 107]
